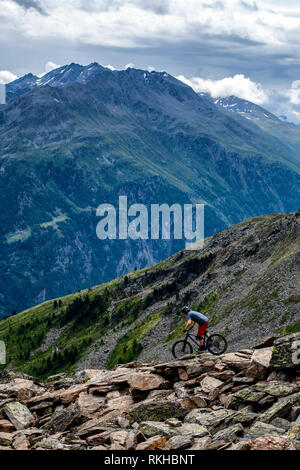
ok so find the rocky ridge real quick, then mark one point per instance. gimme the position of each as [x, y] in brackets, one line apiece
[244, 400]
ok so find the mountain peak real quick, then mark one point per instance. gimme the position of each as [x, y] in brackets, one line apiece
[244, 107]
[61, 76]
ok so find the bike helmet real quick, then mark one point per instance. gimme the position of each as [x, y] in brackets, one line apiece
[186, 309]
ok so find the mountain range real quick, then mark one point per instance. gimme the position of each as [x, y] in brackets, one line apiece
[82, 136]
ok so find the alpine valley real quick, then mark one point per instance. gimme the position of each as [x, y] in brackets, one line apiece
[82, 136]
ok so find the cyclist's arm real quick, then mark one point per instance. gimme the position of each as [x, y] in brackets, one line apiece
[188, 325]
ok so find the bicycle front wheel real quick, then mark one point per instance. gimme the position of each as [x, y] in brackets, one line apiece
[216, 344]
[181, 348]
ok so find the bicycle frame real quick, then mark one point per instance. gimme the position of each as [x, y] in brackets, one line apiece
[192, 337]
[216, 344]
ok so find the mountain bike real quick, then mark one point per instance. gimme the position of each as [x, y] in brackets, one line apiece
[215, 344]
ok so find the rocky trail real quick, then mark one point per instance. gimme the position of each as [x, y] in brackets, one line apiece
[244, 400]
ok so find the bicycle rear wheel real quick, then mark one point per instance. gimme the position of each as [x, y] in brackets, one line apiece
[216, 344]
[181, 348]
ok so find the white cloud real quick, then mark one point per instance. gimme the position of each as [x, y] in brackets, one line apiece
[129, 66]
[294, 92]
[238, 85]
[51, 66]
[285, 102]
[6, 77]
[125, 23]
[151, 69]
[110, 67]
[288, 111]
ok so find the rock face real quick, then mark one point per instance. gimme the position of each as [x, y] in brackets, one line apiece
[266, 343]
[272, 443]
[237, 401]
[145, 382]
[19, 415]
[158, 411]
[260, 362]
[286, 352]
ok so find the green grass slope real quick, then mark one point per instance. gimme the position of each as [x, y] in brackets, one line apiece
[245, 279]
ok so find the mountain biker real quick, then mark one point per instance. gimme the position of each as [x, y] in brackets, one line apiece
[202, 321]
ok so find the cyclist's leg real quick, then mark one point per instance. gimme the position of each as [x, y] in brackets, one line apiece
[200, 335]
[201, 332]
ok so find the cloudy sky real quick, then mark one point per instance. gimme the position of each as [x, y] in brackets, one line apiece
[250, 48]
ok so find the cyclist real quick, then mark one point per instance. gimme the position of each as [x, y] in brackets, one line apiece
[202, 321]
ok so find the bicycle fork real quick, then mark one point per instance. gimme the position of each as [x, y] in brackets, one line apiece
[184, 345]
